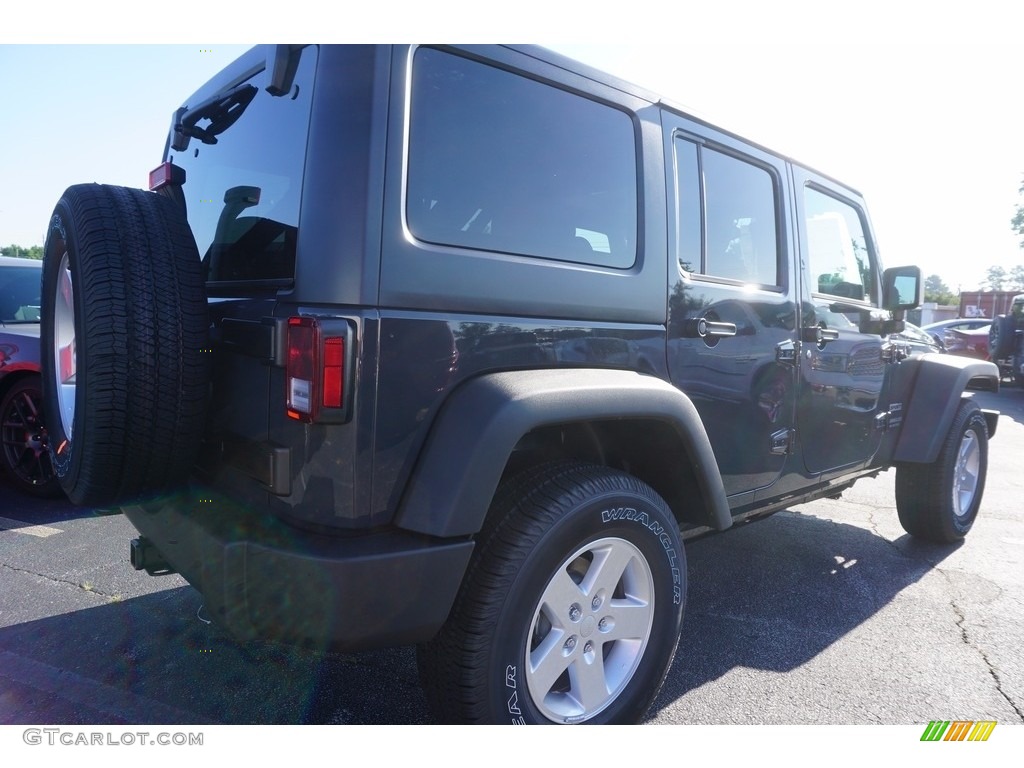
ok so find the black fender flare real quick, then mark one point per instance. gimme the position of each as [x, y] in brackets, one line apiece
[476, 429]
[937, 385]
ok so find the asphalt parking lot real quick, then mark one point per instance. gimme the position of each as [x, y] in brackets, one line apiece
[826, 613]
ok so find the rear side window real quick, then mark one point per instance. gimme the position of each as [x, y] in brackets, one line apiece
[728, 216]
[499, 162]
[243, 192]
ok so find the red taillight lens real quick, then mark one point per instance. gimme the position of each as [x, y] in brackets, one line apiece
[334, 369]
[166, 174]
[303, 337]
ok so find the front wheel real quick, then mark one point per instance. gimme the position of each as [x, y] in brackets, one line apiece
[939, 501]
[571, 609]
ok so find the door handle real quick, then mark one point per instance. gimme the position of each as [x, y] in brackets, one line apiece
[816, 334]
[703, 328]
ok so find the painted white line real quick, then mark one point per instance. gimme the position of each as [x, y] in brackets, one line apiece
[17, 526]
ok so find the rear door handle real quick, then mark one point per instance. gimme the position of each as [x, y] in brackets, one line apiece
[703, 328]
[818, 335]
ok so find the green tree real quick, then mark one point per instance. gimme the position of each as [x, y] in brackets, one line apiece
[1017, 278]
[936, 290]
[995, 278]
[1017, 222]
[33, 252]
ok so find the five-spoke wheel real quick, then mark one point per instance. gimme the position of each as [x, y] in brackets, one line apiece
[24, 439]
[571, 609]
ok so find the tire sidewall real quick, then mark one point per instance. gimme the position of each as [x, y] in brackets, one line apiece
[140, 333]
[1002, 336]
[973, 420]
[653, 532]
[61, 238]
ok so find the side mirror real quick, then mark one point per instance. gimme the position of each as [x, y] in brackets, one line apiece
[902, 288]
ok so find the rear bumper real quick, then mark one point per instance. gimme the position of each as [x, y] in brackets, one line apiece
[265, 580]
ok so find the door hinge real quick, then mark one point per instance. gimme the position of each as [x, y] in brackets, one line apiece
[787, 351]
[889, 419]
[893, 352]
[782, 442]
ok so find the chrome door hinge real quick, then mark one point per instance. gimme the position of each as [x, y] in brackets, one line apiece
[782, 442]
[787, 351]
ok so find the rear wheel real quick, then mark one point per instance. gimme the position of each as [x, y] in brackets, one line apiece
[124, 328]
[939, 502]
[571, 609]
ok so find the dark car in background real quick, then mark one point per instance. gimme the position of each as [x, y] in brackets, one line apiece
[23, 454]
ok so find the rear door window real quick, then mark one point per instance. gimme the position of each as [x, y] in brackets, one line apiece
[728, 216]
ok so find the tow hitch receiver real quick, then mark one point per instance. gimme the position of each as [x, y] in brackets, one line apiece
[146, 557]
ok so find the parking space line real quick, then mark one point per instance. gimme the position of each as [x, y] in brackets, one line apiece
[17, 526]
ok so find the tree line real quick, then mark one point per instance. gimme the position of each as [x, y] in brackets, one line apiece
[996, 278]
[33, 252]
[999, 279]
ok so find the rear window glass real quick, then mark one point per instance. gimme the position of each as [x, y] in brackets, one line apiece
[244, 192]
[500, 162]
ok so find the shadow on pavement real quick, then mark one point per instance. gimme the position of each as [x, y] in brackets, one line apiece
[774, 594]
[768, 596]
[41, 511]
[152, 660]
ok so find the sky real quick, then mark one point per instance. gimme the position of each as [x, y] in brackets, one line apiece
[919, 112]
[932, 134]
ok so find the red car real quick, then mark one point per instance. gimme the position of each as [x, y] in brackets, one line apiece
[23, 453]
[969, 342]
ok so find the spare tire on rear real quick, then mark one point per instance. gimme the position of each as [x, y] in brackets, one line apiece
[1001, 336]
[124, 342]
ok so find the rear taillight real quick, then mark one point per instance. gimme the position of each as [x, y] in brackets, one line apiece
[315, 369]
[303, 343]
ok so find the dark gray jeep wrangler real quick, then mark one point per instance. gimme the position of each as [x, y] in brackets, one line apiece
[454, 345]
